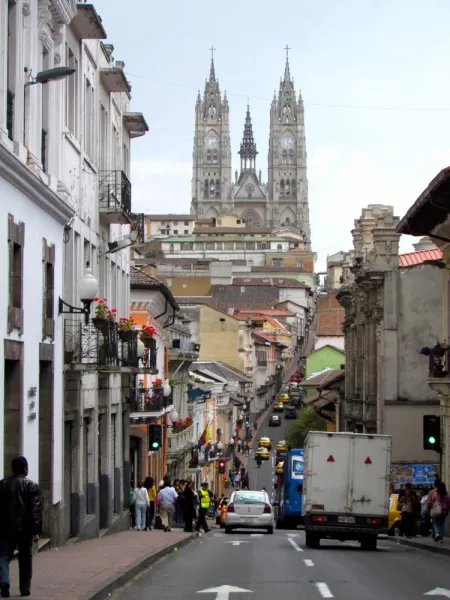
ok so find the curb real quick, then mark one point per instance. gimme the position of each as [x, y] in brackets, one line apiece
[435, 549]
[117, 581]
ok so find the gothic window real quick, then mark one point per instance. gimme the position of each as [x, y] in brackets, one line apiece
[288, 189]
[285, 157]
[291, 157]
[208, 157]
[293, 188]
[215, 156]
[212, 188]
[287, 222]
[282, 188]
[206, 191]
[217, 188]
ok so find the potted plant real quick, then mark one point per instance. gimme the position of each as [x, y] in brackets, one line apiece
[147, 334]
[187, 422]
[103, 315]
[126, 329]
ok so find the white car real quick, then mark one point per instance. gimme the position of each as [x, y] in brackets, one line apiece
[249, 510]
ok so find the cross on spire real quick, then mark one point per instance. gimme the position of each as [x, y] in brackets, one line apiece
[212, 50]
[287, 52]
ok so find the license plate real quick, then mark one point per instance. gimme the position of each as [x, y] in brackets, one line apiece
[346, 519]
[248, 520]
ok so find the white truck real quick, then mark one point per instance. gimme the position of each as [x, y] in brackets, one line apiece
[346, 487]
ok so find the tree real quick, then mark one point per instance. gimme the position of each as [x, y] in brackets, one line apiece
[308, 420]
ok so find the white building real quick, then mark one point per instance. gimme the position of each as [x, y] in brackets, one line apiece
[159, 226]
[64, 165]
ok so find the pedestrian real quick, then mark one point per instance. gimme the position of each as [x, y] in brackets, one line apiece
[141, 503]
[132, 507]
[20, 524]
[439, 508]
[410, 509]
[179, 504]
[190, 503]
[239, 446]
[231, 475]
[204, 496]
[237, 480]
[245, 482]
[150, 486]
[166, 498]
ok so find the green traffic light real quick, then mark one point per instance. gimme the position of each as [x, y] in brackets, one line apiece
[432, 440]
[155, 445]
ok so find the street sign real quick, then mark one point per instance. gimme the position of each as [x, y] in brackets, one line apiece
[223, 591]
[438, 592]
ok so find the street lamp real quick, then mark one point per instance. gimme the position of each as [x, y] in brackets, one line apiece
[49, 75]
[219, 446]
[231, 441]
[87, 288]
[140, 349]
[174, 416]
[167, 390]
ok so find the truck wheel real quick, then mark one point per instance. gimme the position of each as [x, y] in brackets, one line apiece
[270, 530]
[227, 529]
[369, 543]
[312, 540]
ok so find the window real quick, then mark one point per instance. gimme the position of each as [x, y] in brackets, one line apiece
[126, 160]
[186, 223]
[228, 246]
[279, 247]
[89, 122]
[186, 231]
[16, 238]
[261, 358]
[300, 264]
[198, 246]
[277, 262]
[282, 188]
[238, 221]
[72, 95]
[114, 162]
[239, 245]
[219, 245]
[103, 150]
[175, 231]
[209, 246]
[250, 245]
[163, 223]
[48, 260]
[185, 267]
[11, 68]
[45, 108]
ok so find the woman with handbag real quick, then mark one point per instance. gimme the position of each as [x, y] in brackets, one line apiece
[439, 508]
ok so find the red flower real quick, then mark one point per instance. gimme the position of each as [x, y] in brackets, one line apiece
[101, 301]
[114, 310]
[96, 299]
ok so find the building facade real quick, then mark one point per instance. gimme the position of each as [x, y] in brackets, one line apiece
[391, 312]
[65, 120]
[284, 199]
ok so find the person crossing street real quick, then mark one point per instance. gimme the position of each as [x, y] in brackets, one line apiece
[204, 496]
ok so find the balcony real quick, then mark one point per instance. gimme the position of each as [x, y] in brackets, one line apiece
[147, 403]
[180, 442]
[91, 347]
[115, 197]
[114, 79]
[188, 351]
[135, 124]
[87, 23]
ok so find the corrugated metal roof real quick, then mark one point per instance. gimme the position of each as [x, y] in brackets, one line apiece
[410, 259]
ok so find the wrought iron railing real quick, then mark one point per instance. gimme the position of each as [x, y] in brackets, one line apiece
[98, 343]
[147, 400]
[115, 192]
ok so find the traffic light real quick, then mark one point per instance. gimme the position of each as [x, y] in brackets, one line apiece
[155, 436]
[247, 420]
[432, 433]
[221, 467]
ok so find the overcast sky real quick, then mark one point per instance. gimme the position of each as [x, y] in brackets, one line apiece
[374, 75]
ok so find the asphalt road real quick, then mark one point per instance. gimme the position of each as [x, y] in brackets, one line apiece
[280, 565]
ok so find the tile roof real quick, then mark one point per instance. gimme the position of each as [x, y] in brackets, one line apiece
[322, 399]
[324, 378]
[221, 369]
[270, 281]
[138, 277]
[418, 257]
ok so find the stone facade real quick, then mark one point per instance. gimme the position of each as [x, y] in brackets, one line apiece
[283, 201]
[384, 392]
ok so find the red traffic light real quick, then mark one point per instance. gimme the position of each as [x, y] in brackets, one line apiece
[221, 467]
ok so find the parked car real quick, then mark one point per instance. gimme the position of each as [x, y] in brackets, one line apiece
[278, 407]
[290, 412]
[249, 510]
[274, 421]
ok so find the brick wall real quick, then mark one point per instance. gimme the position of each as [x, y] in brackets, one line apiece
[330, 315]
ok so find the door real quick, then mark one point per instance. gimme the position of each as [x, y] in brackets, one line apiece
[86, 460]
[68, 474]
[113, 459]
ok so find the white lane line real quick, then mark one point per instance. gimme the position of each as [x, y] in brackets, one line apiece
[308, 562]
[324, 590]
[294, 544]
[256, 535]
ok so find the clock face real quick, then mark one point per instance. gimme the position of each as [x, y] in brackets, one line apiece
[287, 141]
[212, 142]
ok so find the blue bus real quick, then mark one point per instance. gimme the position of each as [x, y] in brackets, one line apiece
[290, 491]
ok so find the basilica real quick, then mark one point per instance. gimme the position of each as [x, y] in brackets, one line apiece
[283, 200]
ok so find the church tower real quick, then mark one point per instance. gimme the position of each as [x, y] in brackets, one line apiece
[211, 178]
[288, 184]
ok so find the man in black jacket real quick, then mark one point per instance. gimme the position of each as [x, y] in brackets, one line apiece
[20, 524]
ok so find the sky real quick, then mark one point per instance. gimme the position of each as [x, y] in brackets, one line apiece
[374, 75]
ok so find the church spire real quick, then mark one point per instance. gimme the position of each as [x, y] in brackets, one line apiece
[212, 100]
[285, 108]
[248, 150]
[287, 72]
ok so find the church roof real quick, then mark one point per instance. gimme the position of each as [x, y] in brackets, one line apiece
[248, 145]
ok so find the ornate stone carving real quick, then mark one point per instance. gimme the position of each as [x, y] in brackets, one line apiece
[26, 9]
[57, 37]
[57, 59]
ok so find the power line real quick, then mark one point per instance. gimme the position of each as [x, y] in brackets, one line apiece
[317, 104]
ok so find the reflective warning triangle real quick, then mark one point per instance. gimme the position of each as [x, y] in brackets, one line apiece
[330, 458]
[368, 461]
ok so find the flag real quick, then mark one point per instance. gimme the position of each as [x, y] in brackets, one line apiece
[206, 436]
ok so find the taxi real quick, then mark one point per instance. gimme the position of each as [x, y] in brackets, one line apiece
[262, 453]
[282, 446]
[265, 442]
[395, 515]
[279, 469]
[284, 398]
[222, 511]
[278, 407]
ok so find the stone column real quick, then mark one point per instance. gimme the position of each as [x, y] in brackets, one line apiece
[32, 94]
[3, 68]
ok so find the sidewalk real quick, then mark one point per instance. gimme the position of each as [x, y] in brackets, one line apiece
[92, 570]
[423, 543]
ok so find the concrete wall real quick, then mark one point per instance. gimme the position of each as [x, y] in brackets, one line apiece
[323, 358]
[219, 334]
[330, 315]
[420, 318]
[189, 286]
[405, 424]
[336, 340]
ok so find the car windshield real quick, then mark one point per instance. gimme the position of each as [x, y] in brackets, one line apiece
[250, 497]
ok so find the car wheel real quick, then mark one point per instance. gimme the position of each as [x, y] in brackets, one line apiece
[227, 529]
[369, 543]
[270, 530]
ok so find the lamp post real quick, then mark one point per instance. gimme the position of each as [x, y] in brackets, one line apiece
[167, 390]
[87, 288]
[174, 416]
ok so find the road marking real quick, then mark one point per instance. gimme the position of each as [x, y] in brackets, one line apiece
[324, 590]
[308, 562]
[219, 535]
[293, 535]
[295, 545]
[237, 543]
[223, 591]
[256, 535]
[438, 592]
